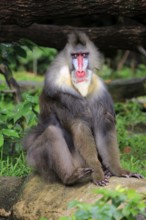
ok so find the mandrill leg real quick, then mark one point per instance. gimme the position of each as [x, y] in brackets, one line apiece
[51, 150]
[85, 144]
[62, 159]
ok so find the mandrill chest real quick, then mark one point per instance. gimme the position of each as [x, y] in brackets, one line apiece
[80, 108]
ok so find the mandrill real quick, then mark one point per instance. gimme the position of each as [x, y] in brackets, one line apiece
[75, 139]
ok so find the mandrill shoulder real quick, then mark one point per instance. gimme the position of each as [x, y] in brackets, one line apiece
[100, 99]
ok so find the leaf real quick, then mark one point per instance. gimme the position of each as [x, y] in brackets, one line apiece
[22, 111]
[27, 43]
[20, 51]
[31, 99]
[73, 204]
[10, 133]
[1, 140]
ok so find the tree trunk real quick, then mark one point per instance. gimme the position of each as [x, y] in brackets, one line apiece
[26, 12]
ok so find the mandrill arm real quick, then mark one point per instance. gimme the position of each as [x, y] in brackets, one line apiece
[106, 137]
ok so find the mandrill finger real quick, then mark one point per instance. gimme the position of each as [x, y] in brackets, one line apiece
[106, 179]
[101, 183]
[108, 174]
[136, 175]
[85, 172]
[125, 175]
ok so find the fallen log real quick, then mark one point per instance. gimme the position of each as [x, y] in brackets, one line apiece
[120, 89]
[105, 38]
[127, 89]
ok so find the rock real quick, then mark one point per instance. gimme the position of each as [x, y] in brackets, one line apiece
[42, 199]
[9, 193]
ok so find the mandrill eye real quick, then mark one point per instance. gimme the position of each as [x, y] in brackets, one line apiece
[85, 55]
[74, 55]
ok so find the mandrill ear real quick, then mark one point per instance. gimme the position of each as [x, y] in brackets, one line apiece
[77, 37]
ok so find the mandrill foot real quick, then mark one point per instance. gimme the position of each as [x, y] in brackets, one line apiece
[136, 175]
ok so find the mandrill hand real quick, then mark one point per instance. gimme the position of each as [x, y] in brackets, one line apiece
[102, 182]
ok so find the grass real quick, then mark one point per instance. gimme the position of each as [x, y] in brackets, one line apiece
[26, 76]
[14, 166]
[130, 162]
[126, 72]
[132, 142]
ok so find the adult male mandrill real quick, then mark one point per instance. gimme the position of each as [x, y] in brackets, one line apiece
[75, 138]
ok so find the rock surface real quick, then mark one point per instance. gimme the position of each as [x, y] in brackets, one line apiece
[9, 188]
[9, 193]
[41, 199]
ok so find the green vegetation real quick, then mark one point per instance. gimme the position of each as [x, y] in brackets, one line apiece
[14, 166]
[126, 72]
[14, 120]
[118, 204]
[26, 56]
[131, 136]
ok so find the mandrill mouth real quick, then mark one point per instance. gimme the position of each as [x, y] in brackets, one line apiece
[80, 67]
[79, 77]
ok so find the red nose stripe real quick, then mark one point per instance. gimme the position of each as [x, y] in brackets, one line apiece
[80, 62]
[80, 73]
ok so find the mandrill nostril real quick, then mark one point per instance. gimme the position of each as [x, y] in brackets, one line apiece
[80, 73]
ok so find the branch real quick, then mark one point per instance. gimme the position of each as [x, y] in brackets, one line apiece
[130, 37]
[26, 12]
[142, 51]
[11, 82]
